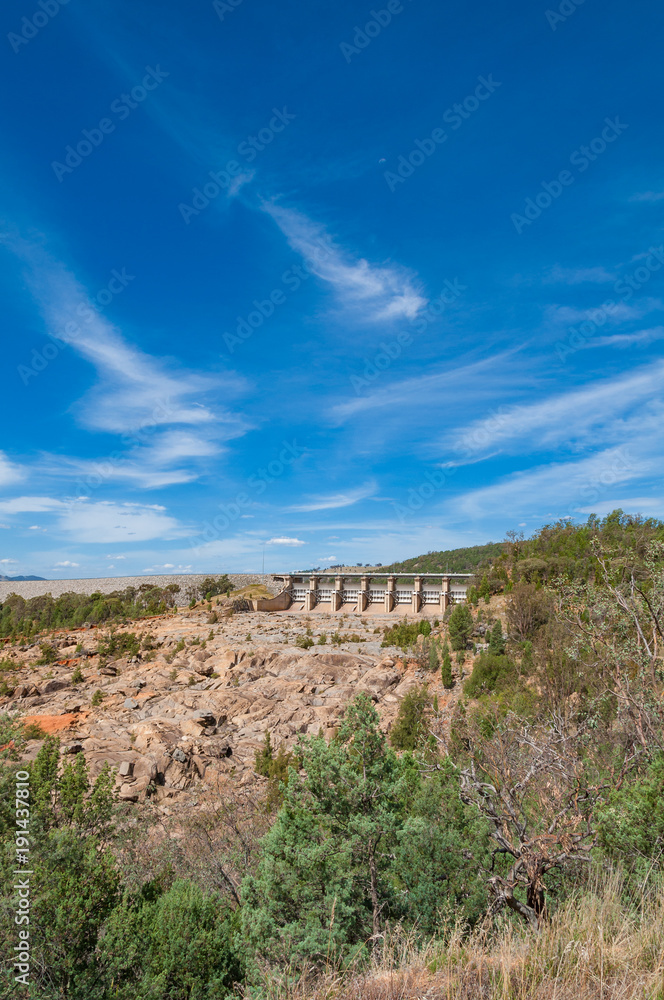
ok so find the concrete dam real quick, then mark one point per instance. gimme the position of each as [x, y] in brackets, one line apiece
[404, 593]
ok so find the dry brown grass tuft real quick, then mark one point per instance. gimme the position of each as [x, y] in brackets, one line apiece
[595, 948]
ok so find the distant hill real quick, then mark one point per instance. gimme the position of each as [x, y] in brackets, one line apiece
[16, 579]
[452, 560]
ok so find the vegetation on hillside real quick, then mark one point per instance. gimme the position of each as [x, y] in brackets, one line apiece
[27, 618]
[510, 844]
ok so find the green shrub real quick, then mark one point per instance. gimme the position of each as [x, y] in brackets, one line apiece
[304, 641]
[48, 654]
[410, 728]
[489, 670]
[404, 634]
[446, 668]
[631, 823]
[177, 944]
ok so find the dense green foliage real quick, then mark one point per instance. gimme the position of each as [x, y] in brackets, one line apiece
[404, 634]
[559, 549]
[19, 617]
[466, 560]
[489, 670]
[460, 626]
[362, 837]
[410, 726]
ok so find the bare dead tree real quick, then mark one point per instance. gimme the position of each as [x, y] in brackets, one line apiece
[529, 783]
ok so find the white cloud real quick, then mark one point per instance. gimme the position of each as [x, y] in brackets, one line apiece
[568, 483]
[578, 275]
[457, 382]
[8, 561]
[563, 418]
[9, 473]
[621, 312]
[30, 505]
[146, 398]
[375, 292]
[620, 340]
[285, 541]
[648, 196]
[67, 563]
[346, 499]
[105, 522]
[649, 506]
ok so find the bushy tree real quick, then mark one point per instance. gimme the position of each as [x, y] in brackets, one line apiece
[323, 886]
[410, 728]
[488, 671]
[172, 943]
[460, 626]
[446, 668]
[631, 821]
[497, 639]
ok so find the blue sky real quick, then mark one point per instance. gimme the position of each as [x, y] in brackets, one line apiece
[331, 282]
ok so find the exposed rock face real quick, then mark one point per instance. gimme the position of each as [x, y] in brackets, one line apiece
[190, 713]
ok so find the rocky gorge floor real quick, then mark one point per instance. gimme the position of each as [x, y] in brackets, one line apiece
[187, 707]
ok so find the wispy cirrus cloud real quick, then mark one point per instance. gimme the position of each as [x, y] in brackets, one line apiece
[648, 196]
[620, 312]
[373, 292]
[147, 399]
[335, 500]
[578, 276]
[571, 484]
[562, 418]
[10, 473]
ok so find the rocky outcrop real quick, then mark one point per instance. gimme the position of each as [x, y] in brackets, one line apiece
[189, 713]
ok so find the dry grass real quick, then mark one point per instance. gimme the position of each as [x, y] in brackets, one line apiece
[595, 948]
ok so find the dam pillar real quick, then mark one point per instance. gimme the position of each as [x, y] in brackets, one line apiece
[310, 599]
[363, 596]
[390, 593]
[417, 594]
[445, 594]
[337, 593]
